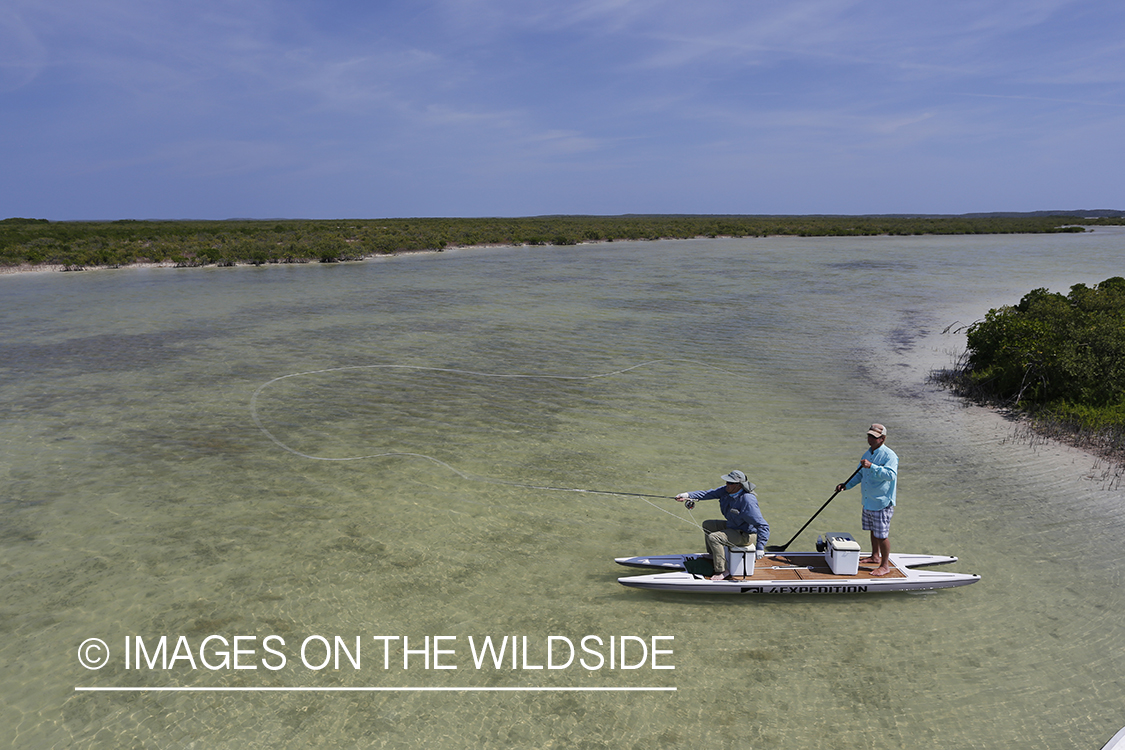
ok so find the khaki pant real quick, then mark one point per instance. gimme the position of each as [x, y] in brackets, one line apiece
[718, 538]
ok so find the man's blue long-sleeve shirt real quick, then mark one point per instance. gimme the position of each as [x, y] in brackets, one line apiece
[740, 510]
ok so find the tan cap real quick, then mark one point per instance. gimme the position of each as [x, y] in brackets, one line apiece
[877, 430]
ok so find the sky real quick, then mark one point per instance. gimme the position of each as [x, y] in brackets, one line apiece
[215, 109]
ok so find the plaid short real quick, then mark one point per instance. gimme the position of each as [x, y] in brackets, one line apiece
[878, 522]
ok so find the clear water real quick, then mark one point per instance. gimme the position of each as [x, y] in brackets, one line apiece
[162, 476]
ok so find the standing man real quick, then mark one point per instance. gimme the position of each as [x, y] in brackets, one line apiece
[879, 477]
[742, 518]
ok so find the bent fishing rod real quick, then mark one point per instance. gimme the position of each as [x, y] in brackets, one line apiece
[785, 546]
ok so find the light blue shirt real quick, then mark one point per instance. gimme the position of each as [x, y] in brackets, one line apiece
[879, 481]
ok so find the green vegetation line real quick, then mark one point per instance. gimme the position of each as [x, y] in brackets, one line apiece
[76, 245]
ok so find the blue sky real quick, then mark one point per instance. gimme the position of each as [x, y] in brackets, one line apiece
[212, 109]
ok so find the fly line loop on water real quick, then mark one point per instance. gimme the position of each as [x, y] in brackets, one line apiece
[467, 373]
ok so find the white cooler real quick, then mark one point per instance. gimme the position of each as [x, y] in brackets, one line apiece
[740, 561]
[842, 554]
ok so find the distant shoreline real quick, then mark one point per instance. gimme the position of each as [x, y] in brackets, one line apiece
[60, 268]
[29, 245]
[27, 268]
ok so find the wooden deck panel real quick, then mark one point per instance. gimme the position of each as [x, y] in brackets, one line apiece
[807, 567]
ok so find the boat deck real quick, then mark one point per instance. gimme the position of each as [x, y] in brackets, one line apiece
[800, 566]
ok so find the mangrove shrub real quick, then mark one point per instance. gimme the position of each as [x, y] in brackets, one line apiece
[1054, 350]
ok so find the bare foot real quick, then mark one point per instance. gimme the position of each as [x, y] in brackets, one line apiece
[720, 577]
[870, 561]
[882, 570]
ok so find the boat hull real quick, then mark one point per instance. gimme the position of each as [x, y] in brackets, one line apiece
[799, 573]
[1116, 742]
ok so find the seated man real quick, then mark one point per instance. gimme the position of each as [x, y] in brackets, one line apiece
[742, 518]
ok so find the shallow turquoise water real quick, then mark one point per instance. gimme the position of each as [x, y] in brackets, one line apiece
[144, 497]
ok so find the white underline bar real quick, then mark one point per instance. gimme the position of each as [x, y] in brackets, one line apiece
[372, 689]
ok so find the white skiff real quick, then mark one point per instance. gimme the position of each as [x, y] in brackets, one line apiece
[793, 573]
